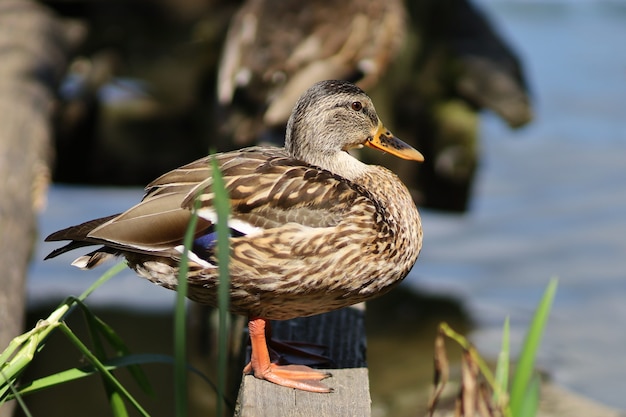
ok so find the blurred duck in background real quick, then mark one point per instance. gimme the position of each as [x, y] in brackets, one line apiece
[442, 63]
[275, 49]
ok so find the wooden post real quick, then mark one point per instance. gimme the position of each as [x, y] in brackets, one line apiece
[33, 51]
[342, 332]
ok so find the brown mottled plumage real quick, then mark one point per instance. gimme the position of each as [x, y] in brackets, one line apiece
[314, 229]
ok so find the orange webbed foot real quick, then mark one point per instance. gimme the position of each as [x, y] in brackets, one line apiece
[293, 376]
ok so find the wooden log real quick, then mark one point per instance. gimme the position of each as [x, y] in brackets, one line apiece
[33, 56]
[342, 332]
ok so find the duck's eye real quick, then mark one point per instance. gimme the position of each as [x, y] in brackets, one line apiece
[356, 106]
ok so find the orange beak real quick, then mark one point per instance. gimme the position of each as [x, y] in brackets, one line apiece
[383, 140]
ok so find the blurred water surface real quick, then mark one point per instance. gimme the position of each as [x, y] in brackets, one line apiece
[550, 200]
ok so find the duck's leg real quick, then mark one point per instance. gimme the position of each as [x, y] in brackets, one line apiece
[292, 376]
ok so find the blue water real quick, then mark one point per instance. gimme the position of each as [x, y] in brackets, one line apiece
[550, 200]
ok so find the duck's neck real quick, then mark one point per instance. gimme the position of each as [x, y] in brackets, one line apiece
[342, 164]
[302, 143]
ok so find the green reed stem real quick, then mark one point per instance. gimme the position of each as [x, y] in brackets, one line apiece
[180, 320]
[222, 206]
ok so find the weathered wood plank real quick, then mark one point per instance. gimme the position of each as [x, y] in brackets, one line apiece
[350, 398]
[342, 332]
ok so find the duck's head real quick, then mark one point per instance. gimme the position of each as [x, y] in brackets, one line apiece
[331, 118]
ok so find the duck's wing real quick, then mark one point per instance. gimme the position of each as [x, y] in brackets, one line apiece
[267, 189]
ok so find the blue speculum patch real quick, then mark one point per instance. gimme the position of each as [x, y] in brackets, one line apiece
[204, 246]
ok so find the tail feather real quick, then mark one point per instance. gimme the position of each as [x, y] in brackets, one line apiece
[69, 247]
[95, 258]
[78, 235]
[79, 232]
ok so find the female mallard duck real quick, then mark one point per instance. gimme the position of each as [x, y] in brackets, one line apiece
[312, 228]
[276, 49]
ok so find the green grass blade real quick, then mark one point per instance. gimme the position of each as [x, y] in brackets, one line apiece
[54, 318]
[180, 319]
[22, 349]
[115, 400]
[502, 367]
[110, 365]
[110, 273]
[16, 344]
[530, 405]
[44, 327]
[97, 330]
[102, 369]
[222, 207]
[20, 352]
[97, 327]
[525, 366]
[18, 398]
[58, 379]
